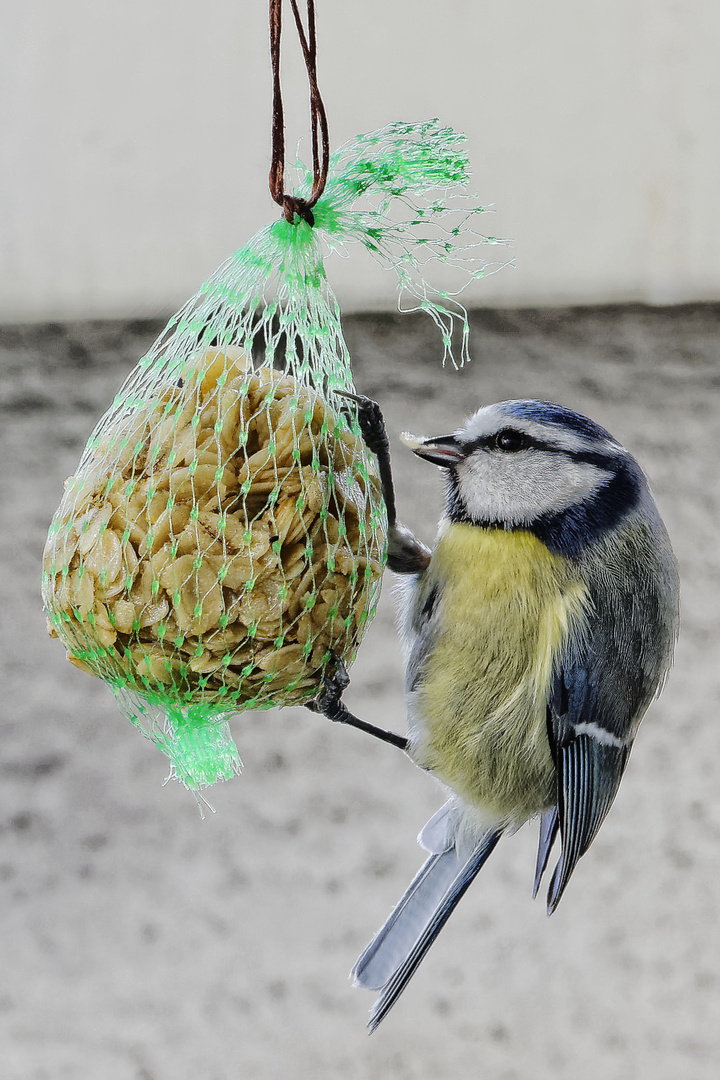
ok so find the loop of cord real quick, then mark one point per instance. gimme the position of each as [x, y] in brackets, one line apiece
[291, 204]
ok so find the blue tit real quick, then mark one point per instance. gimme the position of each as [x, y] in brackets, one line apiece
[538, 631]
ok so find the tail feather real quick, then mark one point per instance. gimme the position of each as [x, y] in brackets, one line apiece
[397, 950]
[395, 939]
[439, 833]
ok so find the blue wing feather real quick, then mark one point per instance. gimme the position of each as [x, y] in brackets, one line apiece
[589, 774]
[548, 831]
[607, 679]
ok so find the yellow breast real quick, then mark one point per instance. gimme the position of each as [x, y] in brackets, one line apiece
[506, 607]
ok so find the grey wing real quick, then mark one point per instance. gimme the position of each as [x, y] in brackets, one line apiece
[606, 681]
[420, 623]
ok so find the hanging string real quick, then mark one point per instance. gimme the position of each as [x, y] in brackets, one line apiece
[318, 120]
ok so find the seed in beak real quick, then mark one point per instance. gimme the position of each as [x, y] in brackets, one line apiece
[444, 450]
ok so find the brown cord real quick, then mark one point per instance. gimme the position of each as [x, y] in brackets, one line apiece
[318, 120]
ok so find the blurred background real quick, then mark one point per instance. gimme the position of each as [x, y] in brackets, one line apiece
[142, 942]
[136, 141]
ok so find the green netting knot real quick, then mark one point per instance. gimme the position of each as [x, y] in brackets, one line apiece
[200, 748]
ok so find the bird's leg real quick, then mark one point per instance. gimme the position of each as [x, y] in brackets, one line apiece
[406, 554]
[328, 704]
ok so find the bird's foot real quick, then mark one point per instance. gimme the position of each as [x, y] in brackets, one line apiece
[370, 419]
[328, 703]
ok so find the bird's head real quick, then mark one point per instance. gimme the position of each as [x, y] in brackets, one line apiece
[538, 466]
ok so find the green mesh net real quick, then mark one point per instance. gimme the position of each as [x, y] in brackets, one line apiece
[222, 540]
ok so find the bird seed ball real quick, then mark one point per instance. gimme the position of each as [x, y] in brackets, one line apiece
[220, 540]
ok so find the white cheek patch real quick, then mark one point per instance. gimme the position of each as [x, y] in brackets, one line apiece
[518, 488]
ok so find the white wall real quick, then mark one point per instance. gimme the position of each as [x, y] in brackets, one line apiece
[135, 141]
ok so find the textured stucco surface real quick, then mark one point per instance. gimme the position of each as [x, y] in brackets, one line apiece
[140, 942]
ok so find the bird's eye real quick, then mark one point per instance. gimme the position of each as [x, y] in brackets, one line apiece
[510, 440]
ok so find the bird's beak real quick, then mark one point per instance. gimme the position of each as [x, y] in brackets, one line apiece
[445, 450]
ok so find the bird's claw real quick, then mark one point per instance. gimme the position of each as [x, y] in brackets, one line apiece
[370, 419]
[328, 703]
[335, 682]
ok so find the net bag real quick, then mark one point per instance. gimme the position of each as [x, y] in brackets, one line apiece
[221, 543]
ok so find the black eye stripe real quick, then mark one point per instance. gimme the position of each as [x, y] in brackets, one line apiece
[608, 462]
[524, 442]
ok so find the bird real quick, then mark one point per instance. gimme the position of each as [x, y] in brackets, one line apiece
[537, 631]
